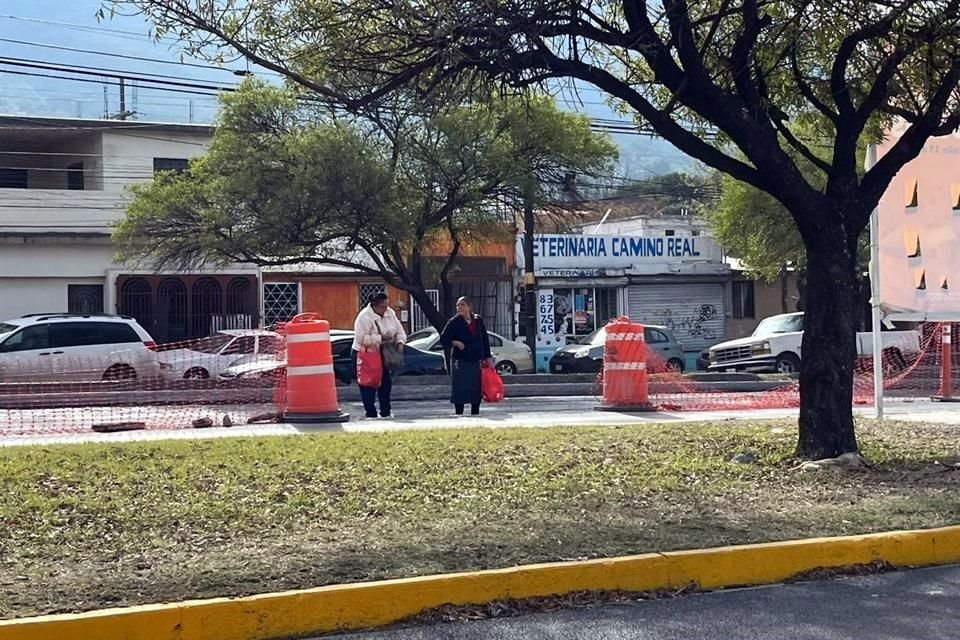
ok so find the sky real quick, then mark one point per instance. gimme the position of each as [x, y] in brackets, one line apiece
[67, 32]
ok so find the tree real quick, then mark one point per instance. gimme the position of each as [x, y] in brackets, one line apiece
[285, 182]
[714, 78]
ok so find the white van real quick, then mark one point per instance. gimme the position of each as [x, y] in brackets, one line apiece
[75, 348]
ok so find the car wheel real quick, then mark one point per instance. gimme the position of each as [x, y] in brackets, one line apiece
[119, 372]
[506, 368]
[893, 361]
[787, 363]
[197, 373]
[675, 365]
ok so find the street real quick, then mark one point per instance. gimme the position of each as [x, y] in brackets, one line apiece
[908, 605]
[45, 426]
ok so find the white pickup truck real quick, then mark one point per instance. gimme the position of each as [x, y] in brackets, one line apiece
[775, 346]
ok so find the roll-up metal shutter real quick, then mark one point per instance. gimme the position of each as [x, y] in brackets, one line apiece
[694, 312]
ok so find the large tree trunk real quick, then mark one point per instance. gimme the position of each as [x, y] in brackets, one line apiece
[829, 349]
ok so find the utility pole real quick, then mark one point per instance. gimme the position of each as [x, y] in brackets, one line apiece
[530, 279]
[123, 101]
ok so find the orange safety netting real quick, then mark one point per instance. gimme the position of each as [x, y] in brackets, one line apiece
[193, 389]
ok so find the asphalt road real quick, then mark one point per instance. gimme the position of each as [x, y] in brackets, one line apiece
[910, 605]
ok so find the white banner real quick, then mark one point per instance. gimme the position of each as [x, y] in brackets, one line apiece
[919, 233]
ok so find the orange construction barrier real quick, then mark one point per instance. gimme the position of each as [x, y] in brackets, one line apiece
[625, 381]
[311, 395]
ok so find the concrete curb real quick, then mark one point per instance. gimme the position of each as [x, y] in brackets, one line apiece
[357, 606]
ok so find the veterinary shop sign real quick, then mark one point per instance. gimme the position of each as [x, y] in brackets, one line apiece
[617, 252]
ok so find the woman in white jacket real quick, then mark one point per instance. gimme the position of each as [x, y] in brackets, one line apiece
[376, 325]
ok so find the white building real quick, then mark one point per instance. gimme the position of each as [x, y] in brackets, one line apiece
[63, 185]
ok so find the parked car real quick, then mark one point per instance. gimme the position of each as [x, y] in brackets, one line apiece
[75, 348]
[586, 355]
[511, 356]
[208, 357]
[416, 362]
[776, 343]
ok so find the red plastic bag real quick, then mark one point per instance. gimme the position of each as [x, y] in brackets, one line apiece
[491, 385]
[369, 369]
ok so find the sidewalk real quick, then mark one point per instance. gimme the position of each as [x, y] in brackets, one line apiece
[908, 605]
[515, 412]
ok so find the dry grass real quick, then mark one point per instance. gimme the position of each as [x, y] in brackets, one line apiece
[84, 527]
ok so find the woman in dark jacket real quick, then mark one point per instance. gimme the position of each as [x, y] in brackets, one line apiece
[466, 337]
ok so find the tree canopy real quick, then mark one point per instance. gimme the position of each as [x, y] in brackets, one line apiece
[285, 182]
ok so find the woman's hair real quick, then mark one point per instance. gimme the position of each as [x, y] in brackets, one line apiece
[465, 300]
[378, 298]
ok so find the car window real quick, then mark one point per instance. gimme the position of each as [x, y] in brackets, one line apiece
[74, 334]
[212, 344]
[242, 346]
[117, 333]
[7, 328]
[270, 344]
[341, 348]
[655, 337]
[495, 341]
[30, 338]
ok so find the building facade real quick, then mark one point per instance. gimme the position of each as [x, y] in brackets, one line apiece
[63, 186]
[586, 280]
[658, 270]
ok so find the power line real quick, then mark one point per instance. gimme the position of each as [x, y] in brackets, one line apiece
[127, 57]
[82, 27]
[110, 73]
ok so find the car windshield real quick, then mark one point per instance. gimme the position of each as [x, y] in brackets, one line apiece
[420, 336]
[423, 343]
[213, 344]
[779, 324]
[595, 339]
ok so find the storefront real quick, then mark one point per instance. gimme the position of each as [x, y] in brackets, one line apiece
[584, 281]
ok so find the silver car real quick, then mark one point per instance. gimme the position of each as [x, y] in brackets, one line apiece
[511, 357]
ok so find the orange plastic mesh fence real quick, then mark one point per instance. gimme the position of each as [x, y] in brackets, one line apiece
[911, 365]
[198, 384]
[193, 384]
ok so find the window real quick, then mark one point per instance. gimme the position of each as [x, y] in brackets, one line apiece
[653, 336]
[368, 290]
[270, 344]
[580, 312]
[242, 346]
[117, 333]
[670, 233]
[495, 341]
[30, 338]
[85, 298]
[170, 164]
[341, 348]
[743, 302]
[74, 334]
[75, 176]
[281, 301]
[13, 179]
[695, 233]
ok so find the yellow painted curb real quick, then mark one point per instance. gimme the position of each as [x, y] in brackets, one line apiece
[356, 606]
